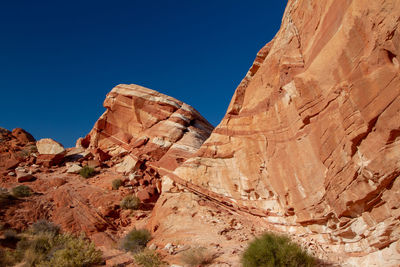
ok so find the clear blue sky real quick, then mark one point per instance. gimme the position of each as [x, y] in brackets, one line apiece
[58, 59]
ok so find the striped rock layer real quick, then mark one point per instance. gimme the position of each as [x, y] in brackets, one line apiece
[311, 139]
[150, 127]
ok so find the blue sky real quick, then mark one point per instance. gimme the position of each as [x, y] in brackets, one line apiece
[58, 59]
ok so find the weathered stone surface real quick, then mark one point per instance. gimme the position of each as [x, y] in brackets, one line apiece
[74, 168]
[49, 160]
[23, 176]
[49, 146]
[150, 126]
[312, 134]
[22, 135]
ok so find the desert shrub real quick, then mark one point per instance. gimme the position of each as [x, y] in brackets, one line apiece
[148, 258]
[43, 226]
[6, 257]
[73, 252]
[116, 184]
[136, 240]
[130, 202]
[22, 191]
[87, 172]
[271, 250]
[43, 246]
[197, 256]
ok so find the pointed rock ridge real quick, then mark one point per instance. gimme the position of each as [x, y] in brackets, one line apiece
[311, 139]
[150, 127]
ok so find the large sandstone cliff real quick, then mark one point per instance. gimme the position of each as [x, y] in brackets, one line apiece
[311, 139]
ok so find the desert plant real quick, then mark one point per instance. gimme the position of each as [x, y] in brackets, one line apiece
[73, 252]
[87, 172]
[271, 250]
[197, 256]
[130, 202]
[22, 191]
[116, 184]
[136, 240]
[148, 258]
[43, 226]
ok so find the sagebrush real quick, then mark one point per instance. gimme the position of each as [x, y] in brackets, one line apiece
[130, 202]
[136, 240]
[271, 250]
[87, 172]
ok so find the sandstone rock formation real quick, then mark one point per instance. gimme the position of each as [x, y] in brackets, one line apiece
[15, 147]
[148, 125]
[311, 139]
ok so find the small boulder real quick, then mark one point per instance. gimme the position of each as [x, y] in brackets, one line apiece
[48, 160]
[74, 168]
[23, 176]
[49, 146]
[128, 165]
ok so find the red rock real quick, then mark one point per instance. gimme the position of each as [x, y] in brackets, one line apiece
[312, 132]
[49, 160]
[94, 163]
[148, 194]
[22, 135]
[148, 129]
[24, 177]
[101, 155]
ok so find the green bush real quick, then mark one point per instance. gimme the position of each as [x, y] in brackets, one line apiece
[43, 246]
[130, 202]
[148, 258]
[197, 256]
[73, 252]
[43, 226]
[274, 250]
[87, 172]
[116, 184]
[136, 240]
[22, 191]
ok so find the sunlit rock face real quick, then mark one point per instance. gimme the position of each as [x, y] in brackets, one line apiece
[311, 139]
[148, 126]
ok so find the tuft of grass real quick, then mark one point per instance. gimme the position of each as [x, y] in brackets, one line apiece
[271, 250]
[148, 258]
[116, 184]
[22, 191]
[43, 226]
[197, 256]
[87, 172]
[136, 240]
[130, 202]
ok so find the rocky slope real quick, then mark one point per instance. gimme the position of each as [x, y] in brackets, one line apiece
[311, 139]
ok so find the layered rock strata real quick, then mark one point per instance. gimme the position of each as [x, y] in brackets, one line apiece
[149, 126]
[311, 138]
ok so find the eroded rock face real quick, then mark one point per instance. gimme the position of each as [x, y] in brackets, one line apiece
[147, 126]
[311, 139]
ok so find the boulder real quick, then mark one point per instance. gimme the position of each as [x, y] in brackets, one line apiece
[48, 160]
[23, 176]
[74, 168]
[129, 164]
[48, 146]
